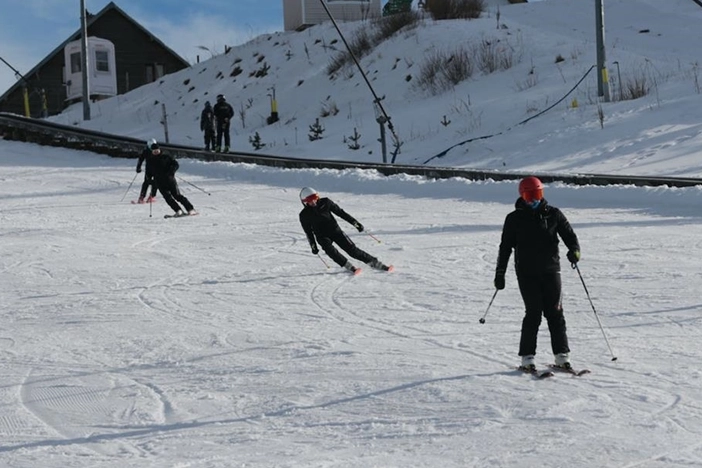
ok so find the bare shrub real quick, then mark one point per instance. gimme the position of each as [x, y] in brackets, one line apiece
[531, 81]
[428, 78]
[492, 55]
[387, 26]
[454, 9]
[636, 87]
[328, 108]
[360, 45]
[458, 67]
[441, 70]
[338, 62]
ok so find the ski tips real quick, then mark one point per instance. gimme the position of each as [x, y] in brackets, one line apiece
[357, 272]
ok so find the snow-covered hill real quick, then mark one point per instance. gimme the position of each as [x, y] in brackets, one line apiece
[551, 45]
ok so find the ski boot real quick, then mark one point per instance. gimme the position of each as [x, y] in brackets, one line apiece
[378, 265]
[352, 268]
[563, 361]
[528, 364]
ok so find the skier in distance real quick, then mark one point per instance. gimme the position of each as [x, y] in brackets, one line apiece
[164, 167]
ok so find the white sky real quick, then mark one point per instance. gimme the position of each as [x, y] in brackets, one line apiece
[220, 341]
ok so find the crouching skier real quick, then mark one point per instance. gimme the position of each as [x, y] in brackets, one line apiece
[164, 167]
[320, 226]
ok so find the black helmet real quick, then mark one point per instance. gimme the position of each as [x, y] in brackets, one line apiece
[220, 97]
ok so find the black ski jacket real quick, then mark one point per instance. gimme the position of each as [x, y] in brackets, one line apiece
[533, 234]
[207, 119]
[163, 167]
[319, 220]
[145, 156]
[223, 112]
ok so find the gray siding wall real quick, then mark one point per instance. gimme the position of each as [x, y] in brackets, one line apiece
[308, 12]
[292, 14]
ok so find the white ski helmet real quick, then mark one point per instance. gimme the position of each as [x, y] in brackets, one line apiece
[309, 196]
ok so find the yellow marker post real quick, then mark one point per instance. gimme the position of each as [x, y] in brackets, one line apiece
[25, 95]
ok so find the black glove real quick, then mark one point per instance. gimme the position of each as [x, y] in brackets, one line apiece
[138, 170]
[358, 226]
[315, 250]
[573, 256]
[499, 280]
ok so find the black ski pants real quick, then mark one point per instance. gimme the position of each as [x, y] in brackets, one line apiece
[148, 180]
[209, 139]
[223, 131]
[346, 244]
[171, 193]
[542, 295]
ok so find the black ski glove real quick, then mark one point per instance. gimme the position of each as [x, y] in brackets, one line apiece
[138, 170]
[573, 256]
[358, 226]
[499, 280]
[315, 250]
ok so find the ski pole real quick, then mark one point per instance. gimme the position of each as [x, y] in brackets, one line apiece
[151, 207]
[482, 319]
[575, 266]
[325, 263]
[130, 186]
[189, 183]
[373, 237]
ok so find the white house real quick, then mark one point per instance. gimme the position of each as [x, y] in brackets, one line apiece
[298, 14]
[102, 71]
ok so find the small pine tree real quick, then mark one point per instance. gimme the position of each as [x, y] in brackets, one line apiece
[354, 145]
[316, 130]
[256, 141]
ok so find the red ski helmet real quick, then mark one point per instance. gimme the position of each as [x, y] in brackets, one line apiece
[309, 196]
[531, 189]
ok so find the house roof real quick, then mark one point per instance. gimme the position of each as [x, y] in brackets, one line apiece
[76, 35]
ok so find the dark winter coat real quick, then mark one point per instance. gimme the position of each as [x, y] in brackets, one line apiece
[319, 220]
[145, 156]
[207, 119]
[223, 112]
[533, 234]
[163, 167]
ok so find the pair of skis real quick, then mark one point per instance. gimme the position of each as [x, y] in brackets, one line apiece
[184, 215]
[551, 372]
[357, 271]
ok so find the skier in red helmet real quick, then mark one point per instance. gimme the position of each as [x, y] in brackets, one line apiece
[320, 226]
[532, 231]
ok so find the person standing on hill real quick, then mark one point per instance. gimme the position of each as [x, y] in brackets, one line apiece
[223, 113]
[164, 167]
[318, 222]
[145, 156]
[532, 231]
[207, 125]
